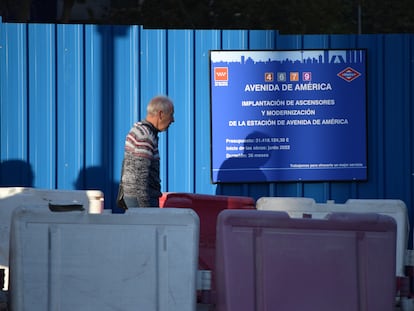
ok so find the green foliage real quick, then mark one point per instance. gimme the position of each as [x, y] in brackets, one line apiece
[288, 17]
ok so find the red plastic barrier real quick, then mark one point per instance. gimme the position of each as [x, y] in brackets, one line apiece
[207, 208]
[269, 261]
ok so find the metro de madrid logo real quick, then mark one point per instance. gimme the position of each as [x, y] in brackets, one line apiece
[349, 74]
[221, 76]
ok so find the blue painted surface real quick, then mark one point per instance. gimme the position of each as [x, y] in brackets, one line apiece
[181, 89]
[70, 122]
[41, 94]
[70, 93]
[14, 115]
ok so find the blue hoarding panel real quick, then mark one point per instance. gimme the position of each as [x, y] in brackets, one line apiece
[14, 91]
[375, 185]
[205, 40]
[15, 167]
[153, 81]
[98, 90]
[153, 64]
[70, 93]
[42, 103]
[397, 91]
[70, 100]
[181, 90]
[126, 91]
[288, 42]
[344, 41]
[124, 103]
[261, 40]
[235, 39]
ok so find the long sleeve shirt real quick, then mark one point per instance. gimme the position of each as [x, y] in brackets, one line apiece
[141, 165]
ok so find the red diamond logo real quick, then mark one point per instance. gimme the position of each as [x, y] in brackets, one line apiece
[349, 74]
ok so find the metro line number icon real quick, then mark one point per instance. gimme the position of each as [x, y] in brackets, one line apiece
[349, 74]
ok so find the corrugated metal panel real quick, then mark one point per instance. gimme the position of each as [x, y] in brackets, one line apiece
[396, 137]
[13, 112]
[99, 108]
[180, 165]
[42, 103]
[70, 105]
[205, 40]
[123, 106]
[153, 80]
[70, 93]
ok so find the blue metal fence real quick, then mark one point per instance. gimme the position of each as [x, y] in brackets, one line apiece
[69, 94]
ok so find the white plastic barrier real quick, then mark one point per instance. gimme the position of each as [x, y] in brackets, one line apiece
[145, 259]
[303, 207]
[12, 197]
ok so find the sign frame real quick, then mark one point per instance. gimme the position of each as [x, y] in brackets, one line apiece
[267, 106]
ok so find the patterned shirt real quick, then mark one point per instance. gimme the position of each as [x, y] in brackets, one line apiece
[141, 165]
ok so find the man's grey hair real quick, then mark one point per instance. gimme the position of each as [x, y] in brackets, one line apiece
[159, 103]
